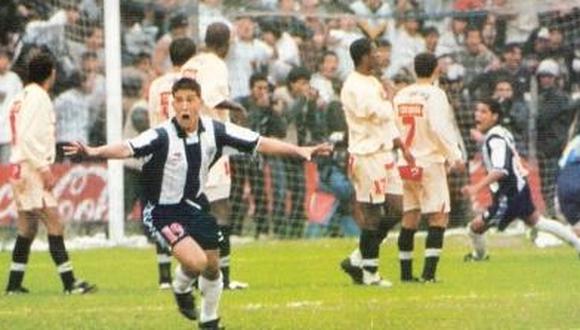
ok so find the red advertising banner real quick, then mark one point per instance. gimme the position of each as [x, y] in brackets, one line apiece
[80, 190]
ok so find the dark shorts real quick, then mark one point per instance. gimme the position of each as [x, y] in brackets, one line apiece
[169, 224]
[569, 193]
[507, 208]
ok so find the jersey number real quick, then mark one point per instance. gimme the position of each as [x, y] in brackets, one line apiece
[409, 120]
[14, 110]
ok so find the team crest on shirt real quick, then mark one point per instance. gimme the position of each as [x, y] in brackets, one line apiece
[175, 157]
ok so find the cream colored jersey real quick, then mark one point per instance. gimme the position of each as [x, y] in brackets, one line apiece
[369, 115]
[426, 123]
[160, 100]
[32, 121]
[211, 72]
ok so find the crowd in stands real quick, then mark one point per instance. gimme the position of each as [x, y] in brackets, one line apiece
[288, 59]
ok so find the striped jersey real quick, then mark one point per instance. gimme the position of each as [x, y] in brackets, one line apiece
[500, 154]
[177, 164]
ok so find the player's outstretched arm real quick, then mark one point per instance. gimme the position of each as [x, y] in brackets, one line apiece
[110, 151]
[272, 146]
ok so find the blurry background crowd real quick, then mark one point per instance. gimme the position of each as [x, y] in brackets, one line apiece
[287, 61]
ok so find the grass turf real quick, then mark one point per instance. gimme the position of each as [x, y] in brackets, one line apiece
[298, 285]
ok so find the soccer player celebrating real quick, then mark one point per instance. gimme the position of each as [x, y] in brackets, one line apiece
[209, 69]
[32, 121]
[506, 178]
[161, 109]
[425, 120]
[372, 137]
[179, 154]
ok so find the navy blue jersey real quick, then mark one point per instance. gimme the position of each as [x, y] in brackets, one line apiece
[176, 164]
[500, 154]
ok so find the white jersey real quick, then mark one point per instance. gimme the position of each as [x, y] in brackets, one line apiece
[426, 123]
[211, 72]
[32, 121]
[161, 98]
[369, 115]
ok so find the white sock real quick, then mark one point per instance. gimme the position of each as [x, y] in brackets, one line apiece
[181, 282]
[556, 228]
[356, 258]
[478, 243]
[211, 290]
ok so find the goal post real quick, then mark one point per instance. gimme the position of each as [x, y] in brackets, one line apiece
[116, 224]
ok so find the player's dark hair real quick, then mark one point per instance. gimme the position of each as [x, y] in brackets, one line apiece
[217, 35]
[40, 67]
[425, 64]
[186, 84]
[181, 50]
[254, 78]
[360, 48]
[493, 106]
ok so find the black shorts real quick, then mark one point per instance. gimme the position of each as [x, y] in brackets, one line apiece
[507, 208]
[169, 224]
[569, 193]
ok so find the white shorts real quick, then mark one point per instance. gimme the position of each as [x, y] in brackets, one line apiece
[219, 180]
[373, 176]
[430, 194]
[28, 188]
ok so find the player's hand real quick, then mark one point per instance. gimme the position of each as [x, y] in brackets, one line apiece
[77, 148]
[48, 180]
[468, 191]
[320, 149]
[476, 135]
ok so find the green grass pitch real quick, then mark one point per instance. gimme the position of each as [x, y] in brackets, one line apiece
[298, 285]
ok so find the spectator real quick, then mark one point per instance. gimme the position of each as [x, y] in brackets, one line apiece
[376, 18]
[267, 119]
[324, 81]
[383, 58]
[51, 33]
[515, 114]
[409, 43]
[94, 42]
[247, 55]
[72, 109]
[476, 58]
[10, 85]
[305, 126]
[178, 28]
[552, 123]
[210, 11]
[511, 69]
[339, 41]
[431, 37]
[285, 48]
[453, 40]
[139, 35]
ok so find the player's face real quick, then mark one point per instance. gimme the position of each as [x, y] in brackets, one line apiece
[484, 118]
[187, 105]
